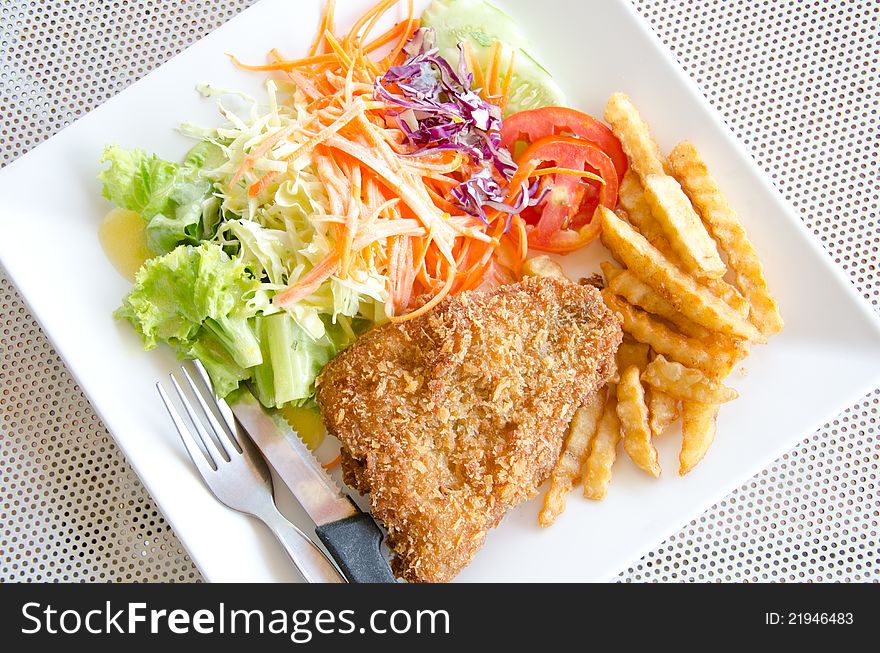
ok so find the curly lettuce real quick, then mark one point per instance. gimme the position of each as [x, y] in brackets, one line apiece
[195, 299]
[223, 251]
[205, 304]
[174, 199]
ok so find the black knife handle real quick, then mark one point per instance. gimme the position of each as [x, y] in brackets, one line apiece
[354, 542]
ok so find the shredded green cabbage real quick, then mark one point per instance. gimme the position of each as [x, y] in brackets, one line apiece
[213, 301]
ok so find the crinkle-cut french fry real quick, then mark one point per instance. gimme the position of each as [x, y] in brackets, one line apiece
[730, 295]
[631, 198]
[633, 415]
[682, 291]
[699, 424]
[686, 383]
[633, 208]
[632, 352]
[727, 350]
[634, 136]
[574, 454]
[685, 231]
[603, 450]
[638, 293]
[610, 271]
[643, 327]
[726, 228]
[730, 351]
[663, 410]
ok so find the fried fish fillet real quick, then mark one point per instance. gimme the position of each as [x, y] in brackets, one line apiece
[454, 417]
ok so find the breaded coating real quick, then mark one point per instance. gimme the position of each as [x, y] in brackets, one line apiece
[452, 418]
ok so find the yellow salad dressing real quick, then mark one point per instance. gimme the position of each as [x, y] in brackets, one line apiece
[124, 239]
[307, 423]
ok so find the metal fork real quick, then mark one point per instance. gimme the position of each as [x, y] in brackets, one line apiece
[238, 476]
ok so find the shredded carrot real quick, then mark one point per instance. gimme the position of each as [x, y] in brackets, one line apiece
[302, 82]
[260, 185]
[286, 64]
[492, 70]
[327, 132]
[263, 148]
[540, 172]
[431, 303]
[376, 11]
[508, 77]
[372, 24]
[406, 30]
[351, 222]
[397, 32]
[473, 66]
[381, 206]
[440, 167]
[401, 31]
[519, 227]
[341, 55]
[441, 202]
[326, 24]
[310, 282]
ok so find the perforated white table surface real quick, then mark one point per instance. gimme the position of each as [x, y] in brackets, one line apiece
[797, 81]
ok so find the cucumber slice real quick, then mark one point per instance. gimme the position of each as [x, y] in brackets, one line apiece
[476, 21]
[481, 24]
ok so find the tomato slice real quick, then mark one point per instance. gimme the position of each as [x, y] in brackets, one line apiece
[534, 124]
[566, 214]
[570, 240]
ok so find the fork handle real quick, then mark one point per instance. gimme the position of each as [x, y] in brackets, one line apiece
[306, 556]
[354, 542]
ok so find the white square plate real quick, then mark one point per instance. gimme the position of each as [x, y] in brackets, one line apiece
[827, 357]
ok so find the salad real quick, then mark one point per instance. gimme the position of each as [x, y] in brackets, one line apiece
[379, 174]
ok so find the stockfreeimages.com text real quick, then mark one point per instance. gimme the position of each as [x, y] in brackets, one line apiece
[299, 625]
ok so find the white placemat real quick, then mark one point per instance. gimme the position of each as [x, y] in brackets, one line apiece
[796, 81]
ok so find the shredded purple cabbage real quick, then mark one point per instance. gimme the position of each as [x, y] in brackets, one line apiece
[482, 190]
[439, 112]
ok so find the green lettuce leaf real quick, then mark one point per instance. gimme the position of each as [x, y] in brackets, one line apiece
[175, 200]
[225, 373]
[138, 181]
[196, 300]
[292, 359]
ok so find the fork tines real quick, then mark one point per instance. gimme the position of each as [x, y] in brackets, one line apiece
[207, 452]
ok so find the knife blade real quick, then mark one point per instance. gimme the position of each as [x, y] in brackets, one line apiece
[352, 537]
[280, 445]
